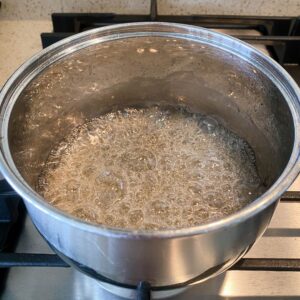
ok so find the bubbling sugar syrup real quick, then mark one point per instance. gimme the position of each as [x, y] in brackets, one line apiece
[151, 169]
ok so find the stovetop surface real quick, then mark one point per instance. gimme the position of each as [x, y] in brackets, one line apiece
[281, 240]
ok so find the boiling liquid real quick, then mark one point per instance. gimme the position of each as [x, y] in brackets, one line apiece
[151, 169]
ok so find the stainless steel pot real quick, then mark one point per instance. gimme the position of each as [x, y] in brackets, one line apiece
[139, 65]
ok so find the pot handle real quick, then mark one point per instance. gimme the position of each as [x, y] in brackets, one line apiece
[143, 291]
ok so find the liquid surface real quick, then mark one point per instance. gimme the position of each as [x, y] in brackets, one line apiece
[151, 169]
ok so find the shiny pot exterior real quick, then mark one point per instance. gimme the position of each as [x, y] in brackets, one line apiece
[162, 261]
[141, 65]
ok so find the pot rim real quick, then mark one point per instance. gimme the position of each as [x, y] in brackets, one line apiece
[268, 66]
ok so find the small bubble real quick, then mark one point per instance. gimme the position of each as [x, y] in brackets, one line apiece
[136, 217]
[120, 223]
[151, 226]
[152, 50]
[109, 186]
[138, 159]
[160, 208]
[208, 124]
[72, 186]
[88, 171]
[140, 50]
[109, 220]
[201, 214]
[83, 214]
[196, 189]
[124, 208]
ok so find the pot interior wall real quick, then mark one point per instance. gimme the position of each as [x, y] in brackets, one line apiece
[144, 71]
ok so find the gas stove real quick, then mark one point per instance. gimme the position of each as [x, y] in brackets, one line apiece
[270, 270]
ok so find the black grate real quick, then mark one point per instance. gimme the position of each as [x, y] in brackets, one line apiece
[8, 260]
